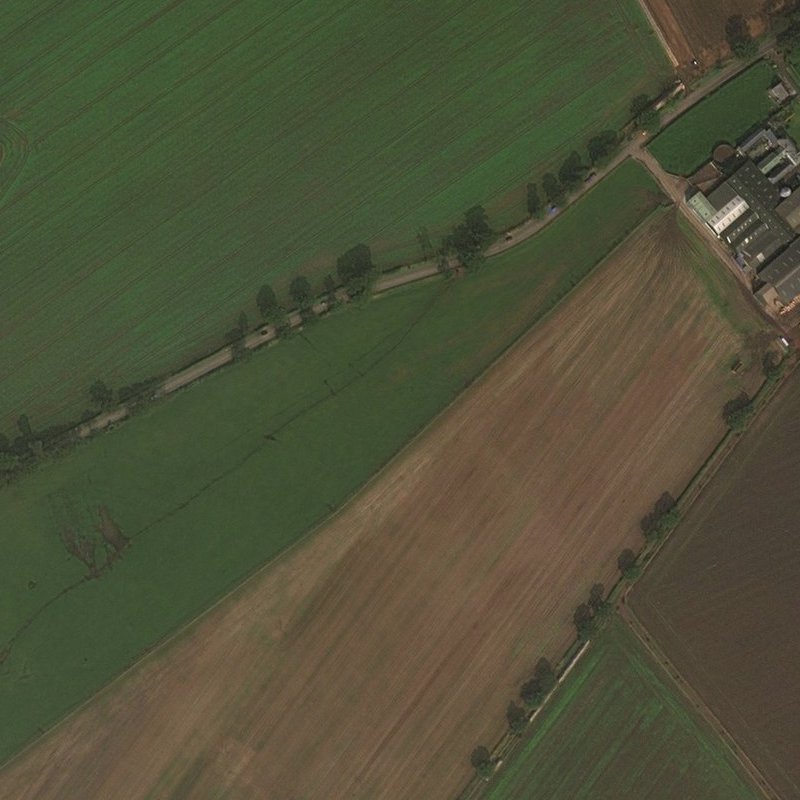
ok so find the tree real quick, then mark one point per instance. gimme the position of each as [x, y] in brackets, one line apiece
[737, 33]
[469, 239]
[737, 412]
[572, 171]
[300, 292]
[602, 147]
[645, 116]
[626, 563]
[531, 693]
[4, 443]
[649, 120]
[517, 718]
[545, 675]
[639, 104]
[100, 394]
[236, 334]
[662, 519]
[596, 596]
[482, 763]
[266, 301]
[553, 190]
[270, 309]
[355, 269]
[533, 201]
[772, 365]
[584, 621]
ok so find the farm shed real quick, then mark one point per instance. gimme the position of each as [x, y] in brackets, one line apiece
[789, 210]
[783, 273]
[745, 216]
[779, 93]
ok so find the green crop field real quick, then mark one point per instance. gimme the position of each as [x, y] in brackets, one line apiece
[215, 480]
[617, 730]
[164, 159]
[724, 116]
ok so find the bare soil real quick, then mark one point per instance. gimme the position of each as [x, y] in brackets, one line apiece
[696, 30]
[722, 597]
[371, 660]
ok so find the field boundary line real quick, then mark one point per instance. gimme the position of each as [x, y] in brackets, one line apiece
[659, 33]
[696, 701]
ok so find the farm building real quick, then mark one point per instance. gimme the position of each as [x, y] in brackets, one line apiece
[779, 93]
[783, 274]
[789, 209]
[742, 212]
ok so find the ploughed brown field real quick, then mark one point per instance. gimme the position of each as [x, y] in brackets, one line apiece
[722, 598]
[696, 28]
[370, 662]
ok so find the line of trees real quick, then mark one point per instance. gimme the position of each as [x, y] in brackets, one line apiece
[574, 171]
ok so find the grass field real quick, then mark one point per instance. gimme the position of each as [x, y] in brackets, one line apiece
[172, 477]
[722, 597]
[618, 730]
[182, 155]
[724, 116]
[377, 655]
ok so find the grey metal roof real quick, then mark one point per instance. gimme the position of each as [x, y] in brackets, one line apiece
[789, 209]
[784, 272]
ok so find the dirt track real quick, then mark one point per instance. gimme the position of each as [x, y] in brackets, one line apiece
[370, 662]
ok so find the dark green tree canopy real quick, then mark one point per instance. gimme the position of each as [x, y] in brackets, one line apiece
[266, 301]
[602, 147]
[639, 104]
[553, 190]
[355, 268]
[469, 239]
[100, 394]
[300, 292]
[572, 171]
[737, 33]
